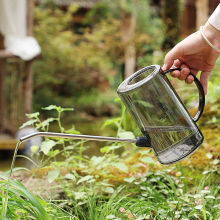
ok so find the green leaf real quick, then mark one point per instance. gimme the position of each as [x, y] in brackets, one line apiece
[215, 162]
[52, 175]
[126, 134]
[210, 197]
[107, 149]
[111, 122]
[58, 108]
[97, 160]
[33, 115]
[110, 217]
[108, 190]
[34, 149]
[70, 176]
[85, 178]
[47, 122]
[70, 147]
[47, 145]
[53, 153]
[122, 167]
[79, 195]
[144, 152]
[72, 131]
[199, 207]
[67, 109]
[50, 107]
[30, 122]
[147, 160]
[129, 180]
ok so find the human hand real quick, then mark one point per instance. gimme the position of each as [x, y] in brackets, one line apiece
[193, 54]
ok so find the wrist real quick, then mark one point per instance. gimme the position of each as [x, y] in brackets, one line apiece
[212, 34]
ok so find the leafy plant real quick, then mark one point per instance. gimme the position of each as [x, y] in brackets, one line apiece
[122, 182]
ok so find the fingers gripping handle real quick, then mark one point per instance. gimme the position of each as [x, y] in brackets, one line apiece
[201, 95]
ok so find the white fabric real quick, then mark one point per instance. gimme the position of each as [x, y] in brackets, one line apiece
[214, 19]
[13, 27]
[24, 47]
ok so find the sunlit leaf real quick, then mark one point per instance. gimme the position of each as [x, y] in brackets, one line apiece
[108, 190]
[210, 197]
[110, 217]
[67, 109]
[34, 149]
[215, 162]
[111, 122]
[70, 176]
[47, 145]
[79, 195]
[107, 149]
[205, 191]
[199, 207]
[52, 175]
[144, 151]
[47, 122]
[30, 122]
[97, 160]
[129, 180]
[147, 160]
[53, 153]
[33, 115]
[50, 107]
[72, 131]
[126, 134]
[122, 167]
[85, 178]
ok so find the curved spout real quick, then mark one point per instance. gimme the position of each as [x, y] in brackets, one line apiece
[77, 136]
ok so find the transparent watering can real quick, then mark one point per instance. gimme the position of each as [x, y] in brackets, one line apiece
[165, 123]
[161, 115]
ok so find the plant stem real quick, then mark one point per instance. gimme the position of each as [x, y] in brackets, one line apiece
[183, 177]
[203, 209]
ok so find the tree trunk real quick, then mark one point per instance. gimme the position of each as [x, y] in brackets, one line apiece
[128, 30]
[28, 78]
[28, 87]
[188, 24]
[202, 12]
[2, 89]
[170, 14]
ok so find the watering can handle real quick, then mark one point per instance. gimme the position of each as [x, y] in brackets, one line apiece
[201, 95]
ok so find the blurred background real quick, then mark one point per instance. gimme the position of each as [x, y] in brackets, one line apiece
[75, 53]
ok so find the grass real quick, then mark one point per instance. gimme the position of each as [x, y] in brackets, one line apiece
[24, 205]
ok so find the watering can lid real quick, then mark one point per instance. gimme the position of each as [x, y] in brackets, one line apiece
[126, 85]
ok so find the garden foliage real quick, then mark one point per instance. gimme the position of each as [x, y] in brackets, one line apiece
[123, 182]
[79, 65]
[83, 61]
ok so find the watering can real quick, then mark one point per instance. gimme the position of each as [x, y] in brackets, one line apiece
[158, 111]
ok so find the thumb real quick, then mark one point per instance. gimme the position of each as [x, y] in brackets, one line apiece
[204, 80]
[172, 55]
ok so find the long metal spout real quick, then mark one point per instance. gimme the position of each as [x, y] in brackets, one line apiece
[77, 136]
